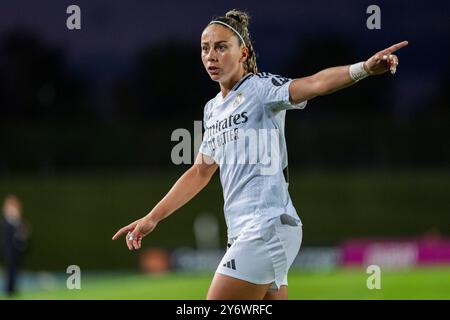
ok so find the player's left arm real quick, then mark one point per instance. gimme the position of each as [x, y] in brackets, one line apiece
[333, 79]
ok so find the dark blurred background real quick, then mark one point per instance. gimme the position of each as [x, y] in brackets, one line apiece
[86, 118]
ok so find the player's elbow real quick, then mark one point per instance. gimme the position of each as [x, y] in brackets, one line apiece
[318, 86]
[321, 85]
[304, 89]
[203, 172]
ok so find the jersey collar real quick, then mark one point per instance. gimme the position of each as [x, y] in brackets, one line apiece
[240, 82]
[235, 87]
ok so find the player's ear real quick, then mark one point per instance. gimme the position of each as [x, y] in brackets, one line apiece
[244, 54]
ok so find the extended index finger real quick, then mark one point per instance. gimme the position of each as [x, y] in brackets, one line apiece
[122, 231]
[395, 47]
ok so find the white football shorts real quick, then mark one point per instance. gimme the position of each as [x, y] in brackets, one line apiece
[264, 252]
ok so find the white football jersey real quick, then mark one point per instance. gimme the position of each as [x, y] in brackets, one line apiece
[244, 134]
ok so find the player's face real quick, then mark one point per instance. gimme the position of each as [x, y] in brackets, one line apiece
[222, 55]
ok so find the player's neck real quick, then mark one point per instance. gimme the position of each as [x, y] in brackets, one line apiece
[226, 86]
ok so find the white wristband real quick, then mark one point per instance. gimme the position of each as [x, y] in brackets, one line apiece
[357, 71]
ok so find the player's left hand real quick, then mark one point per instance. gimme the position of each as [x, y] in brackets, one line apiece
[384, 60]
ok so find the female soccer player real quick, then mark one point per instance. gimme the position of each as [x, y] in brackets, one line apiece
[264, 230]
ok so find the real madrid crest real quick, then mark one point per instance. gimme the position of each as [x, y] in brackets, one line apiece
[238, 100]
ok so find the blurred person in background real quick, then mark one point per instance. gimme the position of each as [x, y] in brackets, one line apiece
[15, 239]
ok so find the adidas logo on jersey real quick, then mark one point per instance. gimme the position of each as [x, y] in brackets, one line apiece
[230, 264]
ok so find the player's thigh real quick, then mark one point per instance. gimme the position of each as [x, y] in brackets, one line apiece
[224, 287]
[281, 294]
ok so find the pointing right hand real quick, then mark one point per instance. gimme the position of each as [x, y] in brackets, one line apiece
[135, 231]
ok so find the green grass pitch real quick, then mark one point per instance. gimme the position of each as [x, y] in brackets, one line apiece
[421, 283]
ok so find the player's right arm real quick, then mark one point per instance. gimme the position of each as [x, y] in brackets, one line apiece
[186, 187]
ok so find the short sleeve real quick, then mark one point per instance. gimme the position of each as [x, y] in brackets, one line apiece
[274, 92]
[204, 148]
